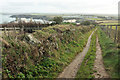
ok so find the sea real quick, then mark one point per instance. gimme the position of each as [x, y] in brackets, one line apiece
[5, 18]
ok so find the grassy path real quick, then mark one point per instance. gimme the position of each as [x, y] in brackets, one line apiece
[87, 65]
[110, 53]
[71, 70]
[98, 65]
[93, 66]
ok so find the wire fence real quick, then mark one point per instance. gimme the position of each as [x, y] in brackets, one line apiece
[21, 28]
[113, 32]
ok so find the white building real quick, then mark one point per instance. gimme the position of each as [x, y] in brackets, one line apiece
[70, 21]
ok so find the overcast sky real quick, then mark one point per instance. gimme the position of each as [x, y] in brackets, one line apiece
[59, 6]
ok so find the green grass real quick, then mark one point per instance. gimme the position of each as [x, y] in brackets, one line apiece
[110, 54]
[109, 23]
[64, 23]
[113, 27]
[59, 46]
[86, 68]
[94, 19]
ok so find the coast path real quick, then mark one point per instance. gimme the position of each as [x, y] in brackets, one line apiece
[71, 70]
[98, 65]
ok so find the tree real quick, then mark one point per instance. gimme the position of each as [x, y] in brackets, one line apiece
[94, 23]
[85, 23]
[58, 20]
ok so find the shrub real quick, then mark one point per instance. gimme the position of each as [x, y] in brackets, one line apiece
[58, 20]
[85, 23]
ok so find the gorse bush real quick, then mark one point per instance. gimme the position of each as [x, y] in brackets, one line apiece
[46, 54]
[58, 20]
[85, 23]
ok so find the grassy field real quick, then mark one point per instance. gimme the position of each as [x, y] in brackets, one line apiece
[113, 27]
[109, 24]
[86, 68]
[94, 19]
[58, 45]
[110, 55]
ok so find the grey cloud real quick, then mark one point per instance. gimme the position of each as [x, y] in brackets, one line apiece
[60, 6]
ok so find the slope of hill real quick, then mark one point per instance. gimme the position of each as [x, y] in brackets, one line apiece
[44, 53]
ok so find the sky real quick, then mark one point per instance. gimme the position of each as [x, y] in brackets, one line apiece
[59, 6]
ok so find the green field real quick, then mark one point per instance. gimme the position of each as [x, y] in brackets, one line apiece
[108, 24]
[97, 19]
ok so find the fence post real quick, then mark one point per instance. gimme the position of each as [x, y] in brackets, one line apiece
[5, 30]
[110, 31]
[22, 29]
[38, 28]
[118, 35]
[15, 29]
[8, 33]
[105, 29]
[115, 35]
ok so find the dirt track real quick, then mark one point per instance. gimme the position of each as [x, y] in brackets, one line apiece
[98, 65]
[71, 70]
